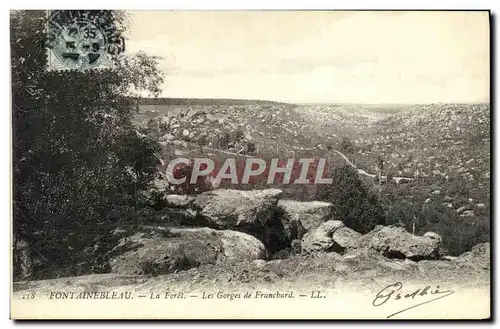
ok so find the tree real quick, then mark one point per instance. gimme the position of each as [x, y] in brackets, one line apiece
[353, 203]
[459, 234]
[346, 146]
[78, 162]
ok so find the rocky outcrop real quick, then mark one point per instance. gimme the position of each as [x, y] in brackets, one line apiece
[330, 236]
[252, 212]
[304, 216]
[396, 242]
[178, 201]
[478, 257]
[230, 209]
[276, 223]
[161, 251]
[346, 237]
[361, 268]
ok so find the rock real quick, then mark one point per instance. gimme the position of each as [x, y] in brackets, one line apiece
[289, 224]
[436, 192]
[161, 251]
[251, 212]
[178, 201]
[481, 249]
[230, 209]
[396, 242]
[478, 257]
[332, 235]
[468, 213]
[434, 236]
[320, 238]
[119, 232]
[309, 214]
[168, 137]
[346, 237]
[240, 246]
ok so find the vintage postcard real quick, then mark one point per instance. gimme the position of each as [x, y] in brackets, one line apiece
[250, 164]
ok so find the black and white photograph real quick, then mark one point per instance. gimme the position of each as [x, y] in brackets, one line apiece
[250, 164]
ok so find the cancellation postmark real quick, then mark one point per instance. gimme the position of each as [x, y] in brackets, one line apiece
[82, 40]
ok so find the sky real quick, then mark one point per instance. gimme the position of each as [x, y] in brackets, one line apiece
[318, 56]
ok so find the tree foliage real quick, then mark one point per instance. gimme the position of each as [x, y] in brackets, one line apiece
[78, 162]
[354, 204]
[459, 234]
[346, 146]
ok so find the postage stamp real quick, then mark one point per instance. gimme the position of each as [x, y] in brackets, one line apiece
[295, 165]
[82, 40]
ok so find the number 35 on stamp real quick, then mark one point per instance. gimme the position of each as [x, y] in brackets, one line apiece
[82, 40]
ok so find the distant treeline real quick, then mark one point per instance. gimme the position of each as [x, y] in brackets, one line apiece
[206, 101]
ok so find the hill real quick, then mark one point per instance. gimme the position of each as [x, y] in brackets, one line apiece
[205, 101]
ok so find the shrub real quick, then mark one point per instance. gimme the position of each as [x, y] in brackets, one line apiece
[354, 204]
[236, 135]
[459, 234]
[346, 146]
[222, 140]
[251, 148]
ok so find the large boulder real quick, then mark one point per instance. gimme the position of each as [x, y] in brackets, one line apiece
[178, 201]
[396, 242]
[252, 212]
[478, 257]
[331, 236]
[346, 237]
[235, 209]
[303, 216]
[161, 251]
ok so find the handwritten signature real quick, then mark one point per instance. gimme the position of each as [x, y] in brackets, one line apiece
[394, 291]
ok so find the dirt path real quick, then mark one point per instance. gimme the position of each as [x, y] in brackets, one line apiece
[396, 179]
